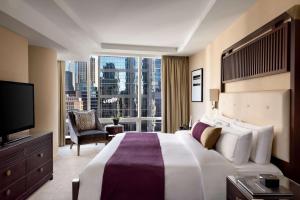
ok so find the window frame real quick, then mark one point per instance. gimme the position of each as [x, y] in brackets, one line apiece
[139, 117]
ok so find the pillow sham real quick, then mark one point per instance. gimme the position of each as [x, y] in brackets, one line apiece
[210, 137]
[207, 120]
[235, 145]
[261, 143]
[85, 120]
[223, 118]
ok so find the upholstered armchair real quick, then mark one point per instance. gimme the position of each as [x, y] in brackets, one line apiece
[97, 135]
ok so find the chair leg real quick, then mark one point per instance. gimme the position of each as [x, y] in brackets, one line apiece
[71, 145]
[78, 150]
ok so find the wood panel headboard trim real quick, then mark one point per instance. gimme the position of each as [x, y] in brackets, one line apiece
[290, 169]
[265, 55]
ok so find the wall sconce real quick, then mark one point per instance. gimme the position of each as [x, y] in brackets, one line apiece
[214, 97]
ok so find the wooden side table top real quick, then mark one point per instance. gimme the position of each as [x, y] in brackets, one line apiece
[114, 129]
[114, 126]
[239, 189]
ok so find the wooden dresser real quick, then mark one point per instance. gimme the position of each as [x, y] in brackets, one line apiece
[25, 165]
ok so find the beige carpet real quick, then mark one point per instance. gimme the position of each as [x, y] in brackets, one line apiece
[67, 165]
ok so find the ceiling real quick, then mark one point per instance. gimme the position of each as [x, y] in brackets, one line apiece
[77, 28]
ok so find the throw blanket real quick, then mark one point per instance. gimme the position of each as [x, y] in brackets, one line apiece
[135, 170]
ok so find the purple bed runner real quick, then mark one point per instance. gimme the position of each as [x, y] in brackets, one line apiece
[136, 170]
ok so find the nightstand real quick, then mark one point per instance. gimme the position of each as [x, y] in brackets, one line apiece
[235, 191]
[114, 129]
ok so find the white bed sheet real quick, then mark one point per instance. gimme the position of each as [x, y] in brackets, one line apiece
[182, 170]
[191, 171]
[254, 169]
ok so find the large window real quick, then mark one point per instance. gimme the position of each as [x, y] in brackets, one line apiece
[76, 85]
[151, 94]
[118, 78]
[124, 86]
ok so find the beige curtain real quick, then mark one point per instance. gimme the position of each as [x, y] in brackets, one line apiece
[175, 92]
[62, 110]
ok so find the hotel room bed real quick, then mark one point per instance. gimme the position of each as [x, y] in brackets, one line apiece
[191, 171]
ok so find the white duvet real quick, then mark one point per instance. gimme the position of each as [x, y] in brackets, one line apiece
[191, 171]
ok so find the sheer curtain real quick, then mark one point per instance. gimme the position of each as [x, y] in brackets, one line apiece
[62, 111]
[175, 94]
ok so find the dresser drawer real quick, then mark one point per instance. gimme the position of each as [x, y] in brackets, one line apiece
[14, 191]
[39, 157]
[39, 143]
[36, 175]
[11, 155]
[11, 173]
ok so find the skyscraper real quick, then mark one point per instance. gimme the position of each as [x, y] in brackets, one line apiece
[82, 74]
[81, 84]
[69, 81]
[93, 71]
[108, 88]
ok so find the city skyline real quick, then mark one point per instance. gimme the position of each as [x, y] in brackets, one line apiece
[117, 77]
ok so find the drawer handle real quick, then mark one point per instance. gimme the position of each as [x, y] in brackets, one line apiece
[8, 192]
[8, 172]
[41, 155]
[237, 198]
[41, 169]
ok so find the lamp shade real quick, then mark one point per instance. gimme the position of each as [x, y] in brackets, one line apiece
[214, 94]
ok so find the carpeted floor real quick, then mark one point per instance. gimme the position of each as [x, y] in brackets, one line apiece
[67, 165]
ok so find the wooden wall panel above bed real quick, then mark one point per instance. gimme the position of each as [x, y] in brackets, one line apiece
[265, 55]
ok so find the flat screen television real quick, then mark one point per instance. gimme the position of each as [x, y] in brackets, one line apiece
[17, 108]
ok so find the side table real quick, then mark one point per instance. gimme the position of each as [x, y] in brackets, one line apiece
[113, 130]
[235, 191]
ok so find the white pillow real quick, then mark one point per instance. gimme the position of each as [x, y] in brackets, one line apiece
[261, 142]
[222, 120]
[183, 132]
[207, 120]
[218, 120]
[235, 145]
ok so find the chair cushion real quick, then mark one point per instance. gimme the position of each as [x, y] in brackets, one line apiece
[85, 120]
[92, 133]
[91, 136]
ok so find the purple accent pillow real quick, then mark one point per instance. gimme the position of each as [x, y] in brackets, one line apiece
[198, 130]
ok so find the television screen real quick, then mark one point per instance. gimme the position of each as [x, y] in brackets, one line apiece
[17, 107]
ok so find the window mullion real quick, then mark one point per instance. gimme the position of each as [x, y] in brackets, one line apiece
[138, 124]
[88, 85]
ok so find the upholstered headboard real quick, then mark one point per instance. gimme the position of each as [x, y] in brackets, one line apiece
[262, 108]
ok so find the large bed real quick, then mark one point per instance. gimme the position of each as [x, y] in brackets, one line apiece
[192, 171]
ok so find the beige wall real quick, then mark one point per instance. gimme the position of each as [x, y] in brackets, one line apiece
[256, 16]
[43, 72]
[36, 65]
[198, 61]
[13, 57]
[14, 60]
